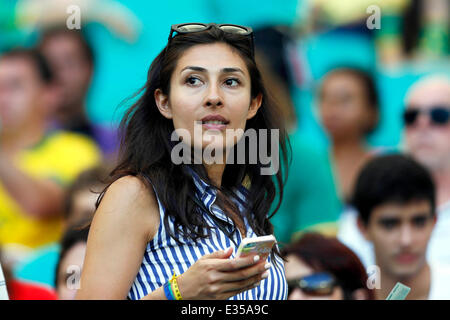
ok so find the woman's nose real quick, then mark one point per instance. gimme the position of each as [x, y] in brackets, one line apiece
[213, 97]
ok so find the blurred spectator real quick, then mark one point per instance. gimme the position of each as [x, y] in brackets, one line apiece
[82, 195]
[72, 59]
[427, 137]
[403, 29]
[79, 204]
[425, 29]
[320, 267]
[70, 263]
[310, 200]
[348, 108]
[427, 131]
[22, 290]
[395, 198]
[35, 164]
[310, 189]
[416, 30]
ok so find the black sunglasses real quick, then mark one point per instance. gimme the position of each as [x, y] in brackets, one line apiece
[184, 28]
[317, 284]
[439, 115]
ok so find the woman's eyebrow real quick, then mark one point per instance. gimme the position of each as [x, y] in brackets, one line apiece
[223, 70]
[194, 68]
[230, 70]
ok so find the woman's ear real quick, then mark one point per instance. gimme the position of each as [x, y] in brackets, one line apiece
[162, 102]
[255, 104]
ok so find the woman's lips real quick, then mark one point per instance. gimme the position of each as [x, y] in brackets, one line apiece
[214, 126]
[214, 122]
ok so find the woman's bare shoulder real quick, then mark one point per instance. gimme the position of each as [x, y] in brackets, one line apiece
[131, 201]
[125, 221]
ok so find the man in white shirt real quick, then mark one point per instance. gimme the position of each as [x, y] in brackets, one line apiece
[440, 280]
[395, 199]
[427, 139]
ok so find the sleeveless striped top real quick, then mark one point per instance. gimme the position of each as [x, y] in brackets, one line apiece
[163, 254]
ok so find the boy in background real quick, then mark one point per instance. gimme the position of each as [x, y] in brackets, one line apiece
[396, 201]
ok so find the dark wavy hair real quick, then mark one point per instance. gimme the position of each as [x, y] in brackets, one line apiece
[146, 147]
[328, 254]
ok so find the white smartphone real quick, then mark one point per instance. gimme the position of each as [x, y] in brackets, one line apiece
[262, 246]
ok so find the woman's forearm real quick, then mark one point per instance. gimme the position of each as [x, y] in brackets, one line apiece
[158, 294]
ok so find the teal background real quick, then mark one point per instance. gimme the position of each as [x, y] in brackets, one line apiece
[121, 70]
[121, 67]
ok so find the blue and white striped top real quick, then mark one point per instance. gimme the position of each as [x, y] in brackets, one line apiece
[163, 254]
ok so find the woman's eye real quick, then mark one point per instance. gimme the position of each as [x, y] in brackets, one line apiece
[232, 82]
[193, 81]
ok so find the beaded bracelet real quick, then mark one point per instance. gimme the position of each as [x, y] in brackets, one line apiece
[175, 288]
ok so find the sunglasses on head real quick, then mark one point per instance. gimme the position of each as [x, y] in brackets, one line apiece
[317, 284]
[185, 28]
[439, 115]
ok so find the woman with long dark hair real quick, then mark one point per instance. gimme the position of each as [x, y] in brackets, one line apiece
[169, 224]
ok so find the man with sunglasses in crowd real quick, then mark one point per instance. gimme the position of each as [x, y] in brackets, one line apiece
[427, 139]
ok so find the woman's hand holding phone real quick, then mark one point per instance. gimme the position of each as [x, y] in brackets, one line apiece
[215, 276]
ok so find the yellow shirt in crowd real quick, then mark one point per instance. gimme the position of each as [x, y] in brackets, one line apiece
[60, 156]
